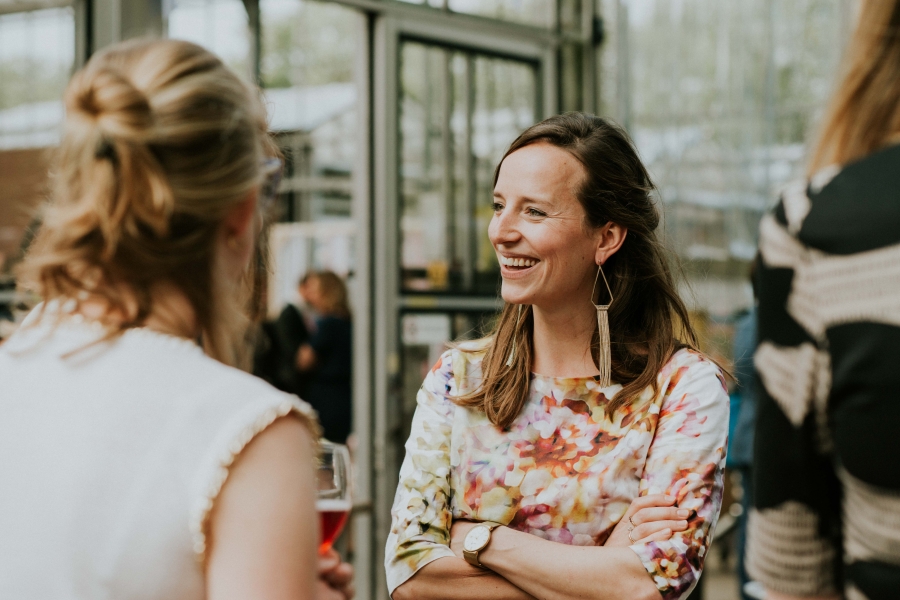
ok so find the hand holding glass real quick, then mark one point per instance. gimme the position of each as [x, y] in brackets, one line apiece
[333, 499]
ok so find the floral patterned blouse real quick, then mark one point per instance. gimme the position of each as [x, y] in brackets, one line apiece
[564, 471]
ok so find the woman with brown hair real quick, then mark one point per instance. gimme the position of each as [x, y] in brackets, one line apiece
[326, 358]
[826, 517]
[578, 451]
[138, 461]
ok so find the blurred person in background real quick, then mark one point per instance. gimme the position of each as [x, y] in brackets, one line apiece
[139, 462]
[280, 341]
[826, 522]
[326, 358]
[571, 454]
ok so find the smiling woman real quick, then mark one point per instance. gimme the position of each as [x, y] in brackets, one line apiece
[587, 488]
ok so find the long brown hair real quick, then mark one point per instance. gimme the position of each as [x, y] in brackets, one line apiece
[647, 315]
[864, 114]
[161, 141]
[333, 292]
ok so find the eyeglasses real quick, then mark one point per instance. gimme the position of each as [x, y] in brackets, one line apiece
[272, 168]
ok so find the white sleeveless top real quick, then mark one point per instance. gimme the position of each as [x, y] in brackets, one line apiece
[111, 458]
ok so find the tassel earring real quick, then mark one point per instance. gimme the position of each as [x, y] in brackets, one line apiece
[512, 353]
[604, 360]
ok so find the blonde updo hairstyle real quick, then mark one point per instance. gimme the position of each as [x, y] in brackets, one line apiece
[161, 142]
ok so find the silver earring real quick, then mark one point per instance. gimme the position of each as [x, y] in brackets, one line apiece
[604, 360]
[512, 353]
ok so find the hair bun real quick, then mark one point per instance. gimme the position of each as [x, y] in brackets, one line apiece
[111, 101]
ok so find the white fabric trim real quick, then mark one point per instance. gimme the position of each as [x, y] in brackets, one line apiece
[227, 447]
[852, 593]
[796, 204]
[777, 246]
[871, 518]
[788, 374]
[785, 552]
[823, 177]
[831, 290]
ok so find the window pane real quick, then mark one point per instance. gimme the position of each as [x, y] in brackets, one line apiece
[459, 113]
[37, 54]
[306, 43]
[218, 25]
[721, 116]
[308, 57]
[37, 51]
[307, 69]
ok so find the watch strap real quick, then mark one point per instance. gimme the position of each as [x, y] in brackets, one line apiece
[472, 556]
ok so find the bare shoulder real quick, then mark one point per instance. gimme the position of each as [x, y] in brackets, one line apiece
[277, 459]
[458, 370]
[691, 380]
[691, 363]
[263, 530]
[287, 440]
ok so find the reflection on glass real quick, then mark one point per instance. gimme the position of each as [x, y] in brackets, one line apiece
[529, 12]
[459, 113]
[307, 63]
[721, 117]
[37, 53]
[432, 3]
[221, 26]
[539, 13]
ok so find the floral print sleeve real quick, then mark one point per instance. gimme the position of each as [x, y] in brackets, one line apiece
[421, 516]
[686, 459]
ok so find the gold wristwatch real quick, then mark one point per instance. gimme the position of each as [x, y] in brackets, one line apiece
[477, 540]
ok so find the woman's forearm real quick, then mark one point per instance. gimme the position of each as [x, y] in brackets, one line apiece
[552, 571]
[451, 578]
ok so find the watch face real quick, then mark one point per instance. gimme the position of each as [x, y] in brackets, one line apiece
[477, 538]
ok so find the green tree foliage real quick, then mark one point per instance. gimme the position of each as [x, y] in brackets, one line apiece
[313, 44]
[30, 80]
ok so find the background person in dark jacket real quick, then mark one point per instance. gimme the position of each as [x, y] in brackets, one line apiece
[325, 359]
[279, 340]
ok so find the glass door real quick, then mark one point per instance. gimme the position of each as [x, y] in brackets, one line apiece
[459, 111]
[449, 96]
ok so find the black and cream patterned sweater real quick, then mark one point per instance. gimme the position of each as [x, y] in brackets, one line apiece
[827, 496]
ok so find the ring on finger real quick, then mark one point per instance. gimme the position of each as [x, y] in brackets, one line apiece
[631, 520]
[631, 539]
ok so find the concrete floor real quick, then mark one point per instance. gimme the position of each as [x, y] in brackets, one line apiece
[719, 581]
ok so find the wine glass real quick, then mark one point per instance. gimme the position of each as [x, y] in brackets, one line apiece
[333, 498]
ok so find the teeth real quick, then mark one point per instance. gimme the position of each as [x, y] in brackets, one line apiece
[517, 262]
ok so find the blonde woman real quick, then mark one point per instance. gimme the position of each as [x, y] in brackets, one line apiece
[326, 358]
[578, 451]
[138, 461]
[826, 522]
